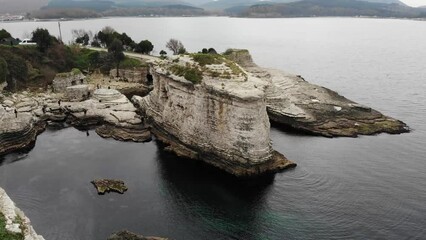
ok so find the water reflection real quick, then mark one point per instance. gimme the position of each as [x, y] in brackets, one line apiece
[219, 202]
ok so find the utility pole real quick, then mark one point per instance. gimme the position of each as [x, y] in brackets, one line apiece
[60, 32]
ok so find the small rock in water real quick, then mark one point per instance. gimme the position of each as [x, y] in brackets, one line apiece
[108, 185]
[126, 235]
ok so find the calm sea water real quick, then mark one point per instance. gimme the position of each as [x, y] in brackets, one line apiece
[366, 188]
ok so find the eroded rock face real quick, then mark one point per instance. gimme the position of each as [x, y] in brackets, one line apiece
[23, 116]
[16, 221]
[222, 122]
[294, 102]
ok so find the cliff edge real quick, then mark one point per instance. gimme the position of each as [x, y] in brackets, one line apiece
[208, 108]
[294, 102]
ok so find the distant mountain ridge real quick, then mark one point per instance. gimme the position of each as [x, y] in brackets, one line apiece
[224, 4]
[317, 8]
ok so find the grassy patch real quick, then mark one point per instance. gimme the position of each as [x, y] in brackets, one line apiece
[4, 234]
[191, 74]
[129, 63]
[204, 59]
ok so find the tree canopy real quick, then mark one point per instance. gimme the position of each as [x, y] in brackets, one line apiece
[4, 72]
[144, 47]
[42, 37]
[4, 34]
[176, 46]
[116, 50]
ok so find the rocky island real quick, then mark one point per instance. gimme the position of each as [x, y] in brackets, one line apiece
[207, 107]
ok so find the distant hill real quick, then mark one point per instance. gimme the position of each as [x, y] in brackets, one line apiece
[21, 6]
[99, 8]
[309, 8]
[225, 4]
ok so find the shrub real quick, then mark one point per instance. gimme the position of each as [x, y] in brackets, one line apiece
[191, 74]
[4, 72]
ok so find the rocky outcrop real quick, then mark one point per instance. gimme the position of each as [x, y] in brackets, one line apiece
[126, 235]
[220, 121]
[294, 102]
[109, 185]
[15, 219]
[68, 79]
[24, 116]
[134, 75]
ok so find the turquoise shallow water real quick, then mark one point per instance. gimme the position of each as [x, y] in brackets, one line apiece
[365, 188]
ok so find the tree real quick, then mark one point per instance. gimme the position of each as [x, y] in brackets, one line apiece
[83, 40]
[205, 51]
[43, 39]
[163, 53]
[4, 34]
[144, 47]
[4, 72]
[82, 36]
[176, 46]
[212, 51]
[126, 40]
[116, 50]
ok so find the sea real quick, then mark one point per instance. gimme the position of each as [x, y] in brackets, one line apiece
[370, 187]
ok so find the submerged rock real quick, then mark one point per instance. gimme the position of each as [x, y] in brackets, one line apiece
[126, 235]
[108, 185]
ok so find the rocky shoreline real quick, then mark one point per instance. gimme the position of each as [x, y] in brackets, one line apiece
[316, 110]
[25, 115]
[15, 220]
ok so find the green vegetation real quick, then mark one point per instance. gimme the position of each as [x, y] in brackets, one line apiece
[116, 50]
[4, 34]
[43, 39]
[4, 234]
[4, 72]
[144, 47]
[129, 63]
[192, 74]
[176, 46]
[207, 59]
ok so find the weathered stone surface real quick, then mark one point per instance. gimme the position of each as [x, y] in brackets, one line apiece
[314, 109]
[126, 235]
[107, 106]
[64, 80]
[109, 185]
[124, 134]
[78, 93]
[222, 122]
[135, 75]
[16, 221]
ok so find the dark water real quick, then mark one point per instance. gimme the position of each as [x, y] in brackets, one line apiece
[366, 188]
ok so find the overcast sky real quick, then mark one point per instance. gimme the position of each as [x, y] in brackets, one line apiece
[414, 3]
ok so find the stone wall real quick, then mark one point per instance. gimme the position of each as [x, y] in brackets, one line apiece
[227, 127]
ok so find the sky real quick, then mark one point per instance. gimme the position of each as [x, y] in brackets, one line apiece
[414, 3]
